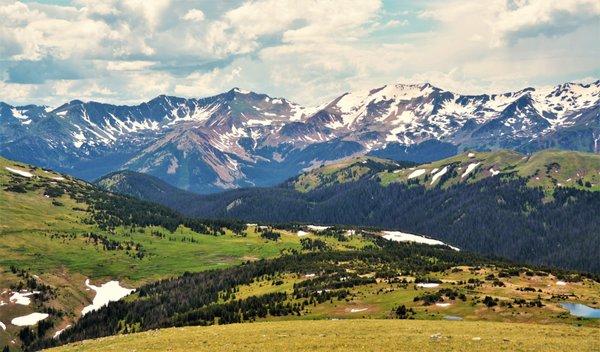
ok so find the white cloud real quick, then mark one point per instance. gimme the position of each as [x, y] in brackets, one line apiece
[506, 21]
[201, 84]
[194, 15]
[15, 92]
[296, 21]
[395, 23]
[308, 51]
[123, 65]
[544, 17]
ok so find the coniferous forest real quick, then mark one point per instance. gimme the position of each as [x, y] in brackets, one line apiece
[209, 297]
[494, 216]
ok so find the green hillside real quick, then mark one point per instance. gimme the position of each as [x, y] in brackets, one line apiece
[421, 284]
[144, 186]
[57, 231]
[548, 169]
[347, 170]
[43, 232]
[353, 335]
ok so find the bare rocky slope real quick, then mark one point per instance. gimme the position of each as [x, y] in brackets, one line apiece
[241, 138]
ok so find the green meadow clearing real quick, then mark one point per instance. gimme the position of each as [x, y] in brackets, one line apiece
[353, 335]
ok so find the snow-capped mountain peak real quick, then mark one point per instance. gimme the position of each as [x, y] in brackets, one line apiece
[240, 137]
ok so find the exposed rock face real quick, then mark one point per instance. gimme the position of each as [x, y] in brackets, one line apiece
[242, 138]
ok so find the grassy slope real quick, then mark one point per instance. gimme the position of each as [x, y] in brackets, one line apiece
[29, 220]
[377, 301]
[572, 166]
[354, 335]
[347, 170]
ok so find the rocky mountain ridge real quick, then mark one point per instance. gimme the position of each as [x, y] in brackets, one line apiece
[241, 138]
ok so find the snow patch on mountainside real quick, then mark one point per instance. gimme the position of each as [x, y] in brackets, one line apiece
[399, 236]
[22, 298]
[260, 133]
[417, 173]
[108, 292]
[439, 174]
[30, 319]
[470, 169]
[19, 172]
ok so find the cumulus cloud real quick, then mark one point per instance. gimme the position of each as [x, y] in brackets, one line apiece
[506, 21]
[194, 15]
[308, 51]
[544, 17]
[205, 83]
[123, 65]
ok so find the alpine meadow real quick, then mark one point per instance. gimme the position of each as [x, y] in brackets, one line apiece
[299, 175]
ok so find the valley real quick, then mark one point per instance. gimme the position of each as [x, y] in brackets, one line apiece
[499, 203]
[63, 240]
[54, 238]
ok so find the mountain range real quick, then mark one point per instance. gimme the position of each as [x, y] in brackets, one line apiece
[241, 138]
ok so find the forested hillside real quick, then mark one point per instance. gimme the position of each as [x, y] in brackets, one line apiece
[415, 278]
[494, 216]
[64, 241]
[539, 209]
[60, 231]
[146, 187]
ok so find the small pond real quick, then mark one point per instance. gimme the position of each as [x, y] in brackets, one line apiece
[581, 310]
[452, 317]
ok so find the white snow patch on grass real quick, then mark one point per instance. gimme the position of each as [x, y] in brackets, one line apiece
[302, 233]
[57, 334]
[469, 169]
[471, 155]
[428, 284]
[105, 293]
[19, 172]
[30, 319]
[494, 172]
[443, 305]
[407, 237]
[561, 283]
[22, 298]
[439, 174]
[356, 310]
[416, 173]
[317, 228]
[2, 326]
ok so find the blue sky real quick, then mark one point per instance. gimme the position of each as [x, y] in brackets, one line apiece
[309, 51]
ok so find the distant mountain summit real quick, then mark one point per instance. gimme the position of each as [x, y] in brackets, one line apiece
[242, 138]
